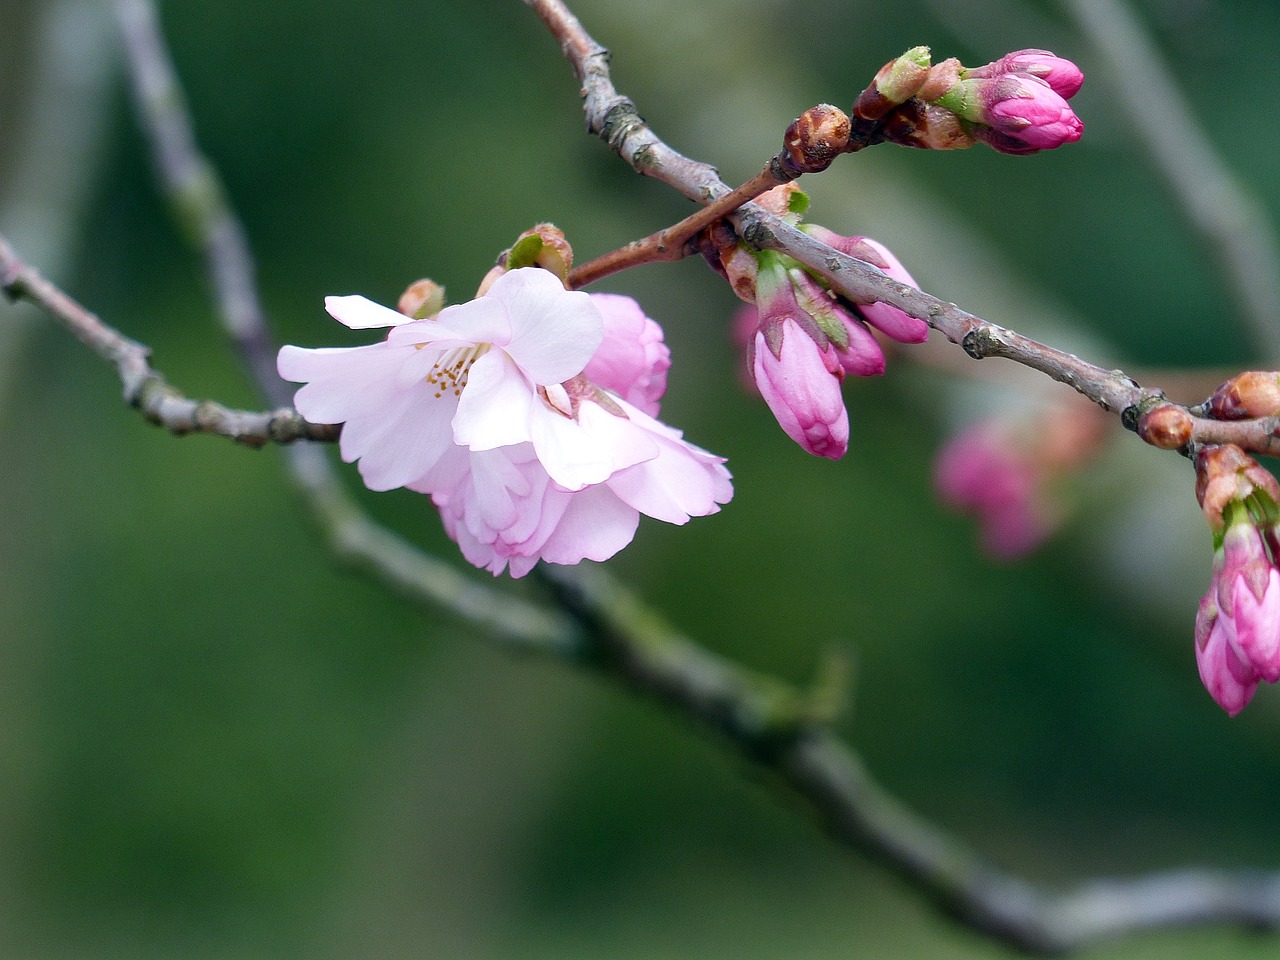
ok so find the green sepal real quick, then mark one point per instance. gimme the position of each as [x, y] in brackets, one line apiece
[525, 252]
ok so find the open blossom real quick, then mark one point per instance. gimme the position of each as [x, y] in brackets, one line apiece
[487, 409]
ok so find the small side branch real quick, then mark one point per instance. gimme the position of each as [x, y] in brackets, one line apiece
[144, 387]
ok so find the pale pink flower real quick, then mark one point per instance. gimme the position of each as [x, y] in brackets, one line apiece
[504, 510]
[632, 361]
[486, 408]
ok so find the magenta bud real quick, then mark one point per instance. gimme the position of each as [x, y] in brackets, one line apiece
[1060, 74]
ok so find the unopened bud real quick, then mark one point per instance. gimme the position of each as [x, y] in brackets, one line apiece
[543, 246]
[895, 83]
[421, 299]
[815, 139]
[1226, 474]
[1062, 75]
[1167, 426]
[1249, 395]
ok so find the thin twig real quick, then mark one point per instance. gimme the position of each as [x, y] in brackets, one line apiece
[144, 387]
[672, 243]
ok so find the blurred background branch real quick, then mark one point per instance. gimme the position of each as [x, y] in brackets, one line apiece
[260, 759]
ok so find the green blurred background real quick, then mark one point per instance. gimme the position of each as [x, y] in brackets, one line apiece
[215, 744]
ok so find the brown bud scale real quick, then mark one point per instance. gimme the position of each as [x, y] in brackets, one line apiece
[816, 138]
[1166, 426]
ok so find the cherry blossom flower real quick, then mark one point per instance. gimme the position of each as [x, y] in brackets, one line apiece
[489, 409]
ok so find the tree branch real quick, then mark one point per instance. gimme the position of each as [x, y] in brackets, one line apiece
[811, 760]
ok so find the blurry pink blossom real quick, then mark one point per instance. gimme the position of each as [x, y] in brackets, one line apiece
[486, 408]
[983, 471]
[1009, 472]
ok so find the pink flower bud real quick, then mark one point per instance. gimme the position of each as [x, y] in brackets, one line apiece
[890, 321]
[1225, 674]
[1014, 112]
[1062, 75]
[795, 381]
[1024, 115]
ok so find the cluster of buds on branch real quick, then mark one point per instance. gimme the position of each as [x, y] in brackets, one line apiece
[1238, 623]
[801, 338]
[528, 413]
[1017, 104]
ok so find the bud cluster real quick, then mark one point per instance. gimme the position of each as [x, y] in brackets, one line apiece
[1016, 104]
[1237, 632]
[802, 339]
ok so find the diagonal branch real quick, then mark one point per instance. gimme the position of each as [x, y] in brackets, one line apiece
[144, 387]
[807, 756]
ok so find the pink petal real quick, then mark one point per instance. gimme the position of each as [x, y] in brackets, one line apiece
[1228, 679]
[632, 361]
[1257, 626]
[803, 395]
[589, 450]
[595, 526]
[683, 481]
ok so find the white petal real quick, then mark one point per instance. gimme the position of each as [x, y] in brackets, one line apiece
[403, 441]
[589, 450]
[554, 331]
[477, 321]
[361, 313]
[495, 407]
[341, 382]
